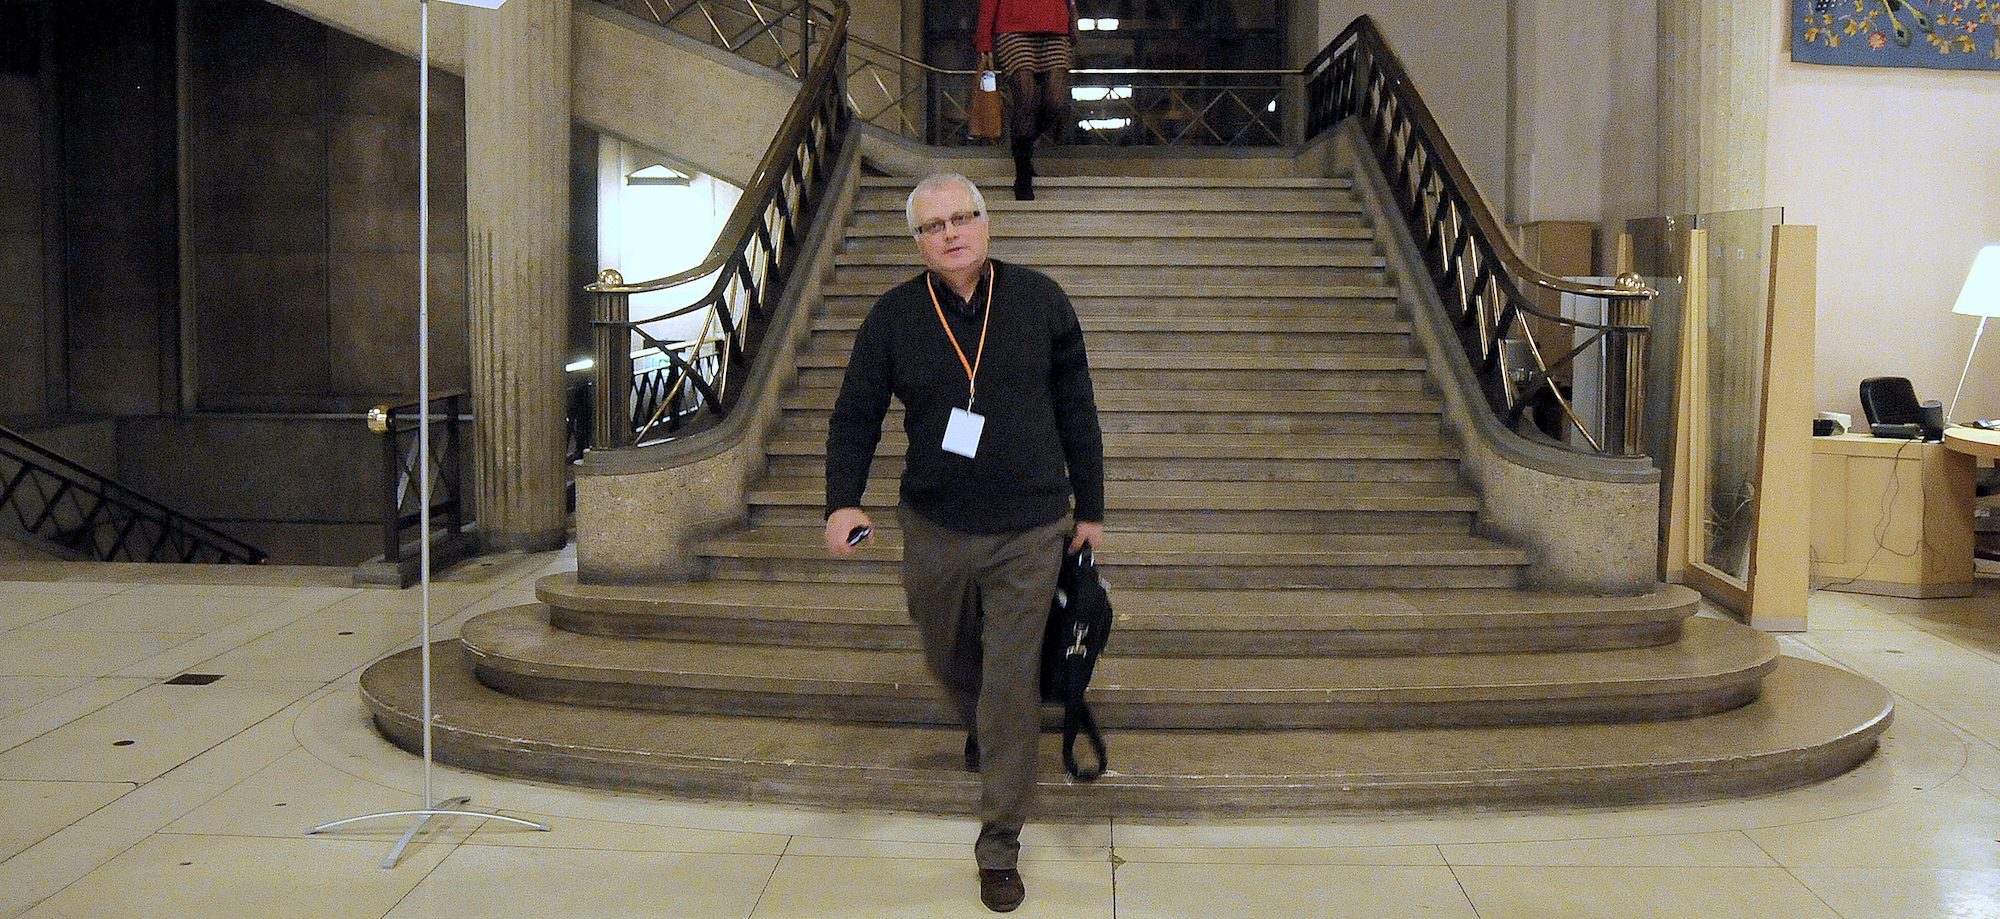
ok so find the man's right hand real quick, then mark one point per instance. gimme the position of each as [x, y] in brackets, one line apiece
[841, 523]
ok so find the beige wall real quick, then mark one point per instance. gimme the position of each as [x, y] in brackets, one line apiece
[1459, 63]
[1901, 171]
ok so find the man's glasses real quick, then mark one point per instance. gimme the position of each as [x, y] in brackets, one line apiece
[957, 221]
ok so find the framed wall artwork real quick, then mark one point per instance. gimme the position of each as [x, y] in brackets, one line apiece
[1930, 34]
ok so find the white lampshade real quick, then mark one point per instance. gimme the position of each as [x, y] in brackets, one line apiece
[1981, 295]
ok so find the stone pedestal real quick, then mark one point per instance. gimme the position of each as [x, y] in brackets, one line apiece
[517, 94]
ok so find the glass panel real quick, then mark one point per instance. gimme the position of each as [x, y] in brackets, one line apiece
[1657, 257]
[1739, 259]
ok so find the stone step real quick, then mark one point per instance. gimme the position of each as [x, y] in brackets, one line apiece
[1148, 203]
[1382, 343]
[1811, 722]
[1196, 495]
[1240, 275]
[1305, 362]
[1237, 403]
[889, 465]
[1195, 325]
[1049, 249]
[1195, 559]
[1219, 183]
[1714, 667]
[1177, 308]
[1210, 520]
[1351, 415]
[1013, 224]
[1237, 623]
[1160, 378]
[1170, 293]
[909, 263]
[1323, 448]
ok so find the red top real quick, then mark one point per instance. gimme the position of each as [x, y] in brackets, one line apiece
[999, 17]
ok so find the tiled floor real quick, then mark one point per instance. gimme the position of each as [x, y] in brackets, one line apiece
[124, 796]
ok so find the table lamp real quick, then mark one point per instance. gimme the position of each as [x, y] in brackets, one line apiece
[1980, 297]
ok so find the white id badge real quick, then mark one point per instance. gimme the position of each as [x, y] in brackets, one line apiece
[961, 434]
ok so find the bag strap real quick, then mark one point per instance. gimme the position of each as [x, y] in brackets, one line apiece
[1077, 716]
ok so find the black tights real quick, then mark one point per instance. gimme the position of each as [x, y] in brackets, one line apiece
[1041, 102]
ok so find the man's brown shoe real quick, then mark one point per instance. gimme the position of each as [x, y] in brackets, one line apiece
[1001, 889]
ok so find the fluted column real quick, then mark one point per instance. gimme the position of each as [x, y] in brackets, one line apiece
[517, 101]
[1715, 66]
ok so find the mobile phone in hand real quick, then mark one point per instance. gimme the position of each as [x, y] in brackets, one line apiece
[856, 535]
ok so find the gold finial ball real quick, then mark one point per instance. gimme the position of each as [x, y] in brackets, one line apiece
[378, 419]
[610, 276]
[1630, 281]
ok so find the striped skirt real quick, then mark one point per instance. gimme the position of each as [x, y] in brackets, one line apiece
[1014, 52]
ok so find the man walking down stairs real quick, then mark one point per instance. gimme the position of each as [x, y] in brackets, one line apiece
[985, 500]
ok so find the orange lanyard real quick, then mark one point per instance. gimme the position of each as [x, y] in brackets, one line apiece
[972, 366]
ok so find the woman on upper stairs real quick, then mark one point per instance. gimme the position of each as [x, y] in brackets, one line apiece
[1033, 42]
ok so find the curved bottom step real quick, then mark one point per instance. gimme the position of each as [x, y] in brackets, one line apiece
[1811, 723]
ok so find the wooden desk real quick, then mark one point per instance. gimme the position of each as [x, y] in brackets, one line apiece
[1977, 442]
[1892, 517]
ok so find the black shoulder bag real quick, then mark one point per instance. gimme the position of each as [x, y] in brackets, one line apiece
[1079, 623]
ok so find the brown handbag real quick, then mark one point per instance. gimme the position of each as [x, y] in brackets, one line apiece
[982, 115]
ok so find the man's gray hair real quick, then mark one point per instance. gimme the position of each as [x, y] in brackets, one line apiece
[936, 180]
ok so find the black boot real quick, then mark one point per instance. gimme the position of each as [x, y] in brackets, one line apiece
[1024, 169]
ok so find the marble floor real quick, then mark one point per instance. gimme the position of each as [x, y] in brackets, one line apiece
[128, 796]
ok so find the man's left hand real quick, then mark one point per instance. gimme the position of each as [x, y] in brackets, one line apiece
[1088, 532]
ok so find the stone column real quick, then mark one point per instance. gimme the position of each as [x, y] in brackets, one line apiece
[1715, 67]
[517, 127]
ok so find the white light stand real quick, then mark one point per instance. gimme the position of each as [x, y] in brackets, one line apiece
[450, 807]
[1980, 297]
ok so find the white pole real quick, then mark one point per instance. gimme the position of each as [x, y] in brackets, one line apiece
[431, 807]
[1953, 411]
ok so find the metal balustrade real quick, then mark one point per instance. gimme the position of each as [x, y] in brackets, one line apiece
[46, 496]
[400, 427]
[1481, 278]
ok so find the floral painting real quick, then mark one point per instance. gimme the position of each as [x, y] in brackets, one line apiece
[1936, 34]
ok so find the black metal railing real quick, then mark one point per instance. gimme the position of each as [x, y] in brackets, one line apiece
[54, 499]
[653, 383]
[400, 427]
[1483, 281]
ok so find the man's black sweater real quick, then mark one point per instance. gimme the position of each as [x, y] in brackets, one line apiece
[1041, 444]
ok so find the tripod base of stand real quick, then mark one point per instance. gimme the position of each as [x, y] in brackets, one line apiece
[445, 808]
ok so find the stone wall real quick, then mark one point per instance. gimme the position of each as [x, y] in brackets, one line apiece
[302, 218]
[24, 350]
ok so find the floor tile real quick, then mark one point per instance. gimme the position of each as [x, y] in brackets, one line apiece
[154, 804]
[1161, 891]
[52, 713]
[1953, 826]
[1884, 893]
[243, 878]
[1407, 856]
[959, 851]
[59, 861]
[571, 832]
[324, 645]
[22, 609]
[37, 810]
[564, 884]
[51, 652]
[140, 737]
[20, 692]
[1701, 850]
[812, 887]
[1832, 610]
[192, 655]
[1654, 893]
[134, 611]
[297, 793]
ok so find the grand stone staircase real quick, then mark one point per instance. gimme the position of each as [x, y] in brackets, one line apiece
[1308, 616]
